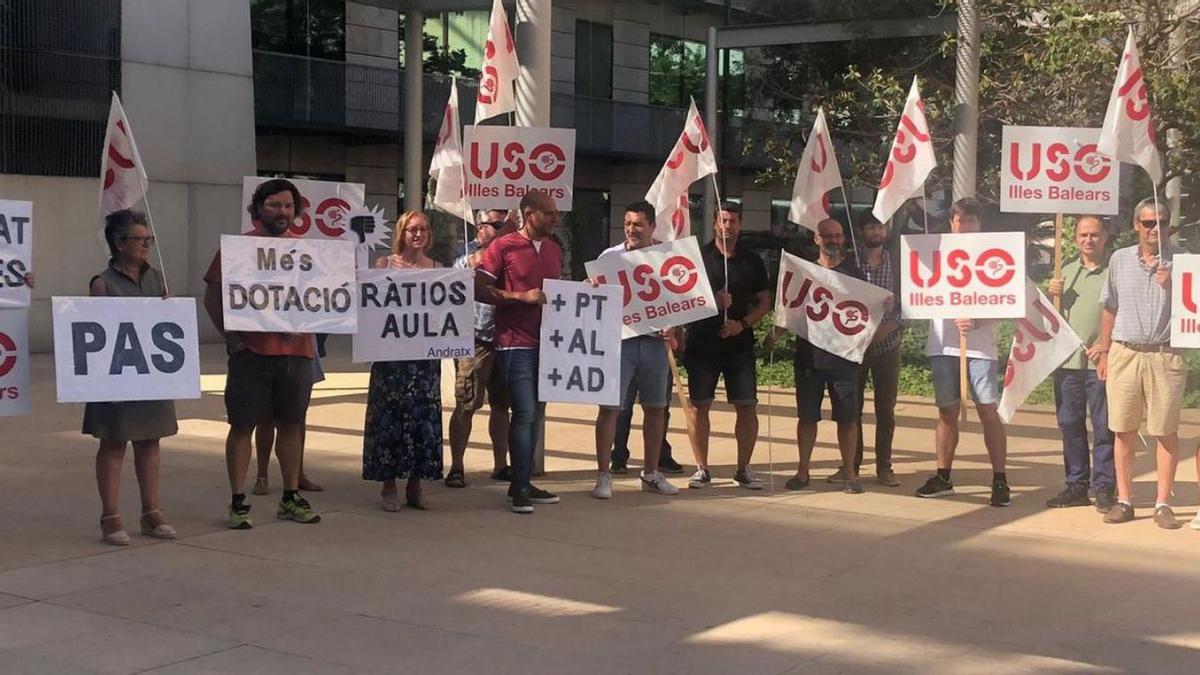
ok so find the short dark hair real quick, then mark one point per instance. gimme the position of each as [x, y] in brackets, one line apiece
[732, 207]
[643, 207]
[867, 218]
[1150, 203]
[531, 198]
[273, 187]
[967, 206]
[117, 225]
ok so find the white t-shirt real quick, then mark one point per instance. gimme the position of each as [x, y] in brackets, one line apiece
[619, 248]
[981, 341]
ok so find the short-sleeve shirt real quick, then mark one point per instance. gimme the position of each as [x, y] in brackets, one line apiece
[747, 278]
[1081, 307]
[518, 265]
[1142, 307]
[485, 314]
[266, 344]
[810, 356]
[981, 340]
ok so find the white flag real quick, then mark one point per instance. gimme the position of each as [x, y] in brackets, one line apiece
[816, 175]
[123, 181]
[446, 167]
[690, 160]
[910, 160]
[499, 69]
[831, 310]
[1128, 134]
[1042, 342]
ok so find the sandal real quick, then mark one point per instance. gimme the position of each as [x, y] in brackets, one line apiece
[118, 537]
[796, 483]
[308, 486]
[391, 502]
[456, 479]
[159, 531]
[414, 501]
[261, 487]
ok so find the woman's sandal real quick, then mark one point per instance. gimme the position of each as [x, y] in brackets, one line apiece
[414, 502]
[456, 479]
[118, 537]
[159, 531]
[391, 502]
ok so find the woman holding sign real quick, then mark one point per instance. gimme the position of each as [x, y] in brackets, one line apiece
[141, 423]
[402, 437]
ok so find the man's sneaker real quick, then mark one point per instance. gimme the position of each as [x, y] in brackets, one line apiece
[503, 474]
[669, 465]
[887, 478]
[1119, 513]
[700, 479]
[1105, 500]
[619, 466]
[1165, 518]
[297, 510]
[521, 502]
[1196, 521]
[657, 482]
[936, 486]
[746, 478]
[540, 496]
[1001, 494]
[852, 487]
[1073, 495]
[603, 489]
[239, 517]
[836, 477]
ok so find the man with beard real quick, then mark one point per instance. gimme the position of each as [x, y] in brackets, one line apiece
[270, 374]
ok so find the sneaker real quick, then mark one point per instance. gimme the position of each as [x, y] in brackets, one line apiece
[521, 502]
[1119, 513]
[603, 489]
[1196, 521]
[887, 478]
[746, 478]
[669, 465]
[1073, 495]
[239, 517]
[1001, 494]
[1105, 500]
[261, 487]
[836, 477]
[502, 474]
[936, 486]
[852, 487]
[540, 496]
[700, 479]
[657, 482]
[618, 466]
[1165, 518]
[297, 510]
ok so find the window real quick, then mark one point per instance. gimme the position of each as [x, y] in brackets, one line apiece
[314, 28]
[593, 59]
[453, 42]
[677, 72]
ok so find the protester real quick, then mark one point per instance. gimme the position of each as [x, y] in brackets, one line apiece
[644, 365]
[1144, 377]
[264, 441]
[942, 347]
[140, 423]
[479, 374]
[620, 453]
[723, 345]
[1078, 392]
[402, 435]
[270, 374]
[510, 275]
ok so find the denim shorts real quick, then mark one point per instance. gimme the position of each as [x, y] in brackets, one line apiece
[982, 375]
[644, 362]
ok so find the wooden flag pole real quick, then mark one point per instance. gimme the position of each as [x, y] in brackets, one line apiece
[689, 414]
[1058, 237]
[963, 382]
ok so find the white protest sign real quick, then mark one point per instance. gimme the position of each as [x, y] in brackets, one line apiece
[16, 252]
[328, 210]
[504, 163]
[1056, 170]
[286, 285]
[831, 310]
[409, 315]
[1185, 301]
[663, 285]
[125, 349]
[15, 396]
[580, 360]
[972, 275]
[1042, 341]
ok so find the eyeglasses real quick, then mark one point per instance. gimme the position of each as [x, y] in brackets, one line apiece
[144, 241]
[1149, 224]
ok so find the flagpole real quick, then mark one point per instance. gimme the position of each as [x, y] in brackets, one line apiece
[770, 436]
[1163, 228]
[689, 413]
[1058, 237]
[724, 242]
[158, 248]
[850, 222]
[925, 207]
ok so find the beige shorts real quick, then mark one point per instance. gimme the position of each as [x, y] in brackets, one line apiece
[1144, 384]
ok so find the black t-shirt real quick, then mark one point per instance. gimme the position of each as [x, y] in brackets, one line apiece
[808, 356]
[747, 278]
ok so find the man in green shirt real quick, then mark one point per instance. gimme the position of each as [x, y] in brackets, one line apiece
[1078, 392]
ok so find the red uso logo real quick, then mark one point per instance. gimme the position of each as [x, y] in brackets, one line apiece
[904, 149]
[850, 317]
[677, 274]
[8, 354]
[1086, 163]
[328, 218]
[489, 84]
[120, 161]
[1026, 339]
[1137, 106]
[546, 161]
[1189, 298]
[994, 267]
[694, 147]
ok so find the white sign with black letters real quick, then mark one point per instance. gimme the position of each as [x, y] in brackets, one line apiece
[410, 315]
[580, 359]
[15, 396]
[16, 252]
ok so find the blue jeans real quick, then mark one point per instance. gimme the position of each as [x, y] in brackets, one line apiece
[1079, 394]
[520, 368]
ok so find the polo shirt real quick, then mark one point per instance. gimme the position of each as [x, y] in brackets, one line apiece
[747, 278]
[517, 265]
[1081, 307]
[811, 356]
[1142, 307]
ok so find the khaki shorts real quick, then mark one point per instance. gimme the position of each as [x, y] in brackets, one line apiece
[476, 376]
[1144, 384]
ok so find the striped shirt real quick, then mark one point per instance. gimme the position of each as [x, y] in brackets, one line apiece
[485, 314]
[883, 277]
[1142, 306]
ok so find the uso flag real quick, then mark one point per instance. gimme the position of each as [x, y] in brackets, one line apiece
[1042, 342]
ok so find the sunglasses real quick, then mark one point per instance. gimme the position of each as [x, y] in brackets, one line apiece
[1149, 224]
[494, 223]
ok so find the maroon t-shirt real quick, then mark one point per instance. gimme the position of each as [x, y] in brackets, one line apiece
[516, 265]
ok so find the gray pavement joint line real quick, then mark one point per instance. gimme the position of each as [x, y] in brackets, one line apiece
[246, 644]
[192, 658]
[142, 622]
[417, 624]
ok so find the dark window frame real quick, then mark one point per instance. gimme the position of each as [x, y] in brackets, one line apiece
[589, 28]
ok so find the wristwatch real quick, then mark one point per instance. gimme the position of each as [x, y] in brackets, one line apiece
[744, 324]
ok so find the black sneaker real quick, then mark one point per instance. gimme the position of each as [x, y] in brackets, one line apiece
[1073, 495]
[936, 486]
[619, 466]
[1119, 513]
[669, 465]
[502, 474]
[1105, 500]
[521, 502]
[540, 496]
[1000, 494]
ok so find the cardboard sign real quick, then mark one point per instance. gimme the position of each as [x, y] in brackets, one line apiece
[503, 163]
[284, 285]
[1042, 342]
[16, 252]
[830, 310]
[15, 396]
[962, 276]
[662, 285]
[1185, 301]
[1056, 170]
[126, 349]
[409, 315]
[581, 344]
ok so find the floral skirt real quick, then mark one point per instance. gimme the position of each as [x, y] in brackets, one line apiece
[403, 430]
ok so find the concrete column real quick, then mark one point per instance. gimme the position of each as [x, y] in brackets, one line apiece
[966, 100]
[532, 36]
[414, 26]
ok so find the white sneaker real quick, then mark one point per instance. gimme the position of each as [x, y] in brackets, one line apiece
[700, 479]
[746, 478]
[657, 482]
[1196, 522]
[603, 489]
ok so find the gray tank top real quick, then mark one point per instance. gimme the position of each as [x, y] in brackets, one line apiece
[121, 286]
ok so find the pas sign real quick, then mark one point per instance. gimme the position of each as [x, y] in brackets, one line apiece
[16, 252]
[504, 163]
[125, 349]
[284, 285]
[1056, 170]
[15, 397]
[409, 315]
[580, 352]
[1185, 301]
[963, 276]
[662, 285]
